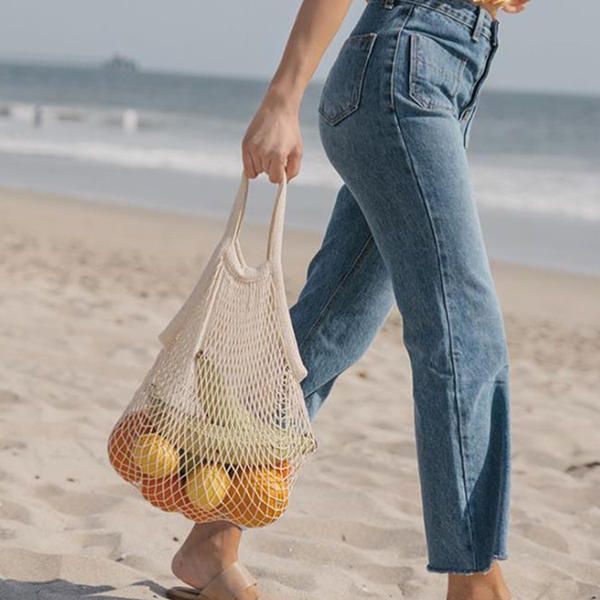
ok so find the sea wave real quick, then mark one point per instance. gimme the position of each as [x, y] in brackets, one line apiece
[562, 190]
[223, 162]
[109, 117]
[544, 190]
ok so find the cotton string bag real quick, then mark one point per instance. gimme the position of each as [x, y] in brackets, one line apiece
[218, 429]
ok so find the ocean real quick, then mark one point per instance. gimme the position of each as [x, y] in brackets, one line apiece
[172, 142]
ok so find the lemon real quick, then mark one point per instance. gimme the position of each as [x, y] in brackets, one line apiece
[207, 486]
[155, 456]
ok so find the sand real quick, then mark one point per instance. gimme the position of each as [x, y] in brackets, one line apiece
[86, 288]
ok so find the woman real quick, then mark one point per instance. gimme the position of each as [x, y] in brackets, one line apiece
[395, 114]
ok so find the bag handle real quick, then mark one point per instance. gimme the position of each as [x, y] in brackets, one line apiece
[234, 223]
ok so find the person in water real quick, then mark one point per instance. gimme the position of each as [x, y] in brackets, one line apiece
[395, 115]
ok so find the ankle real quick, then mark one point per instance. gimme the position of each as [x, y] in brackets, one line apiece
[215, 540]
[479, 586]
[481, 595]
[480, 592]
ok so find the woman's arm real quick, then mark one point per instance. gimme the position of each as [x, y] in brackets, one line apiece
[272, 143]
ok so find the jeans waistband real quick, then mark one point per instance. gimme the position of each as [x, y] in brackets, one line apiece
[475, 17]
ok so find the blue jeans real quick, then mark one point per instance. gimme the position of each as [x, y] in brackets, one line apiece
[394, 118]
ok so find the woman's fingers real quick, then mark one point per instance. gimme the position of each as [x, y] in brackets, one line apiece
[281, 167]
[514, 9]
[515, 6]
[249, 168]
[275, 164]
[293, 164]
[509, 6]
[276, 168]
[272, 144]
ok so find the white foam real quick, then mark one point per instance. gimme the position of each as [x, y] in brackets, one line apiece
[559, 190]
[211, 161]
[21, 112]
[562, 189]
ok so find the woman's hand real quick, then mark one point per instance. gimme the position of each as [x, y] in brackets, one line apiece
[272, 143]
[509, 6]
[515, 6]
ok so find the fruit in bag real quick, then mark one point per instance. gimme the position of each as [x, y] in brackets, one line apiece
[166, 493]
[122, 441]
[258, 496]
[207, 486]
[225, 426]
[188, 510]
[155, 456]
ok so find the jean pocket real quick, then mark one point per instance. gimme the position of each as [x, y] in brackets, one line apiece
[435, 74]
[342, 90]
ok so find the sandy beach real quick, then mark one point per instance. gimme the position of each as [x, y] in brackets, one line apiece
[85, 289]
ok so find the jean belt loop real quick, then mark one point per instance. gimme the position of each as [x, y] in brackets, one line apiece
[388, 4]
[481, 15]
[495, 24]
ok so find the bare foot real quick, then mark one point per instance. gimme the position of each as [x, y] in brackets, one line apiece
[206, 552]
[478, 586]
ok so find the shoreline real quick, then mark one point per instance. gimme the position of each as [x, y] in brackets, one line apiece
[255, 216]
[536, 240]
[189, 238]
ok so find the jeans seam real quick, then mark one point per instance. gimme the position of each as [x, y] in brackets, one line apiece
[395, 55]
[450, 338]
[343, 279]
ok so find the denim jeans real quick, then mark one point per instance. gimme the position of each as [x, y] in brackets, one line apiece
[395, 114]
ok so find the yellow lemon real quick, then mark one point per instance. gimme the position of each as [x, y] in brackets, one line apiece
[207, 486]
[155, 456]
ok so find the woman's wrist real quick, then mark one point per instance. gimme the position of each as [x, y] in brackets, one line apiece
[281, 96]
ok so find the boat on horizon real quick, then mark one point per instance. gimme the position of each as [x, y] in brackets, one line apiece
[120, 62]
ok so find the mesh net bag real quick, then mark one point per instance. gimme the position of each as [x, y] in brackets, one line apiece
[218, 428]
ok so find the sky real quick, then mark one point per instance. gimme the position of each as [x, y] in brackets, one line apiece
[547, 48]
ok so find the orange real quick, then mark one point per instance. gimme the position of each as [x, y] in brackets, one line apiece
[283, 468]
[187, 509]
[194, 513]
[258, 496]
[166, 493]
[121, 443]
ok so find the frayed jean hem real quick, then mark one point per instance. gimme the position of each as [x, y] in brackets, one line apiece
[454, 571]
